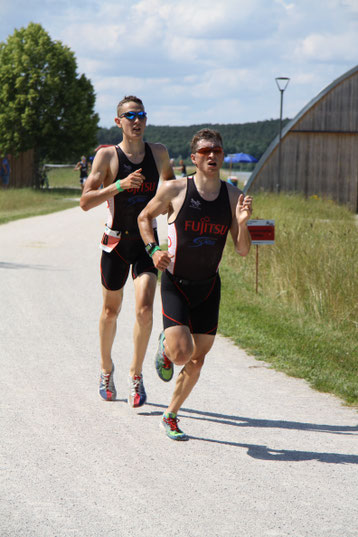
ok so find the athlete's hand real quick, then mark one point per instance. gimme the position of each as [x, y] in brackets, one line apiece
[133, 180]
[243, 209]
[161, 259]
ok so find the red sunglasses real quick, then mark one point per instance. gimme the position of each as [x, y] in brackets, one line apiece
[217, 150]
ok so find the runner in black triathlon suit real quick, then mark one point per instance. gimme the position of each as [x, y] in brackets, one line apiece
[201, 210]
[196, 239]
[83, 166]
[123, 210]
[129, 174]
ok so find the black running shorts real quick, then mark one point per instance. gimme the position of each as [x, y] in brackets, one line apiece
[115, 265]
[191, 303]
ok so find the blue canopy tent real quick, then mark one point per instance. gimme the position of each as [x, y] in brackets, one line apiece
[239, 157]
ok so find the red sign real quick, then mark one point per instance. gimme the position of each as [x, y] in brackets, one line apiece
[262, 231]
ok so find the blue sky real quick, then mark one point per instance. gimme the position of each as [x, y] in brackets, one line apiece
[199, 61]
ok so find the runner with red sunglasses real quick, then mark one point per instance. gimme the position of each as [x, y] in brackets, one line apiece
[129, 174]
[201, 209]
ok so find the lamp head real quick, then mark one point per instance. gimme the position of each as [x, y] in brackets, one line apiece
[282, 82]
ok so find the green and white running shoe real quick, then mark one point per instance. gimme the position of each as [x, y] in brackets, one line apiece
[163, 365]
[169, 423]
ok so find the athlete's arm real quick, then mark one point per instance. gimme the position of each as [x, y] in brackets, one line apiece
[162, 161]
[241, 207]
[160, 204]
[103, 172]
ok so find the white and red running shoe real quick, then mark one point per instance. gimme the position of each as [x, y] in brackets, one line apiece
[107, 389]
[137, 396]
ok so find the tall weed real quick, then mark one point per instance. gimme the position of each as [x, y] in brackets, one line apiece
[304, 318]
[313, 265]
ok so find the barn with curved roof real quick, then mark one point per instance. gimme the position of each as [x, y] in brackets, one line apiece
[319, 148]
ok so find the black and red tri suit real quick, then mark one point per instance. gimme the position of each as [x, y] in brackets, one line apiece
[191, 285]
[123, 211]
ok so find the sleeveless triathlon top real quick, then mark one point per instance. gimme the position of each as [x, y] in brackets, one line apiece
[124, 208]
[197, 237]
[83, 169]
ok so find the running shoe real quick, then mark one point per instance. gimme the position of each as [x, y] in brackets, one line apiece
[107, 389]
[137, 396]
[169, 423]
[163, 365]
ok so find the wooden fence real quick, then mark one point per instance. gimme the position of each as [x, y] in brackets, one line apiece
[22, 170]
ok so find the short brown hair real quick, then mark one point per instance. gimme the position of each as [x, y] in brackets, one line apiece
[205, 134]
[128, 99]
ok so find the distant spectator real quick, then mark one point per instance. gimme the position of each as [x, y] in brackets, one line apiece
[5, 171]
[83, 166]
[43, 178]
[232, 181]
[182, 168]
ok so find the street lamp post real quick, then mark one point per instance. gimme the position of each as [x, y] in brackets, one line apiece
[282, 83]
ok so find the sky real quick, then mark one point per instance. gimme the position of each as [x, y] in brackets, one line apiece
[199, 61]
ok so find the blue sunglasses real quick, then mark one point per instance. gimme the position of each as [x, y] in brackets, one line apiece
[132, 115]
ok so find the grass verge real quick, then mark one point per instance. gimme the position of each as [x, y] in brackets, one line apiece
[64, 193]
[26, 202]
[303, 320]
[294, 343]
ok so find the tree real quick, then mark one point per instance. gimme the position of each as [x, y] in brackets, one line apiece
[252, 138]
[44, 104]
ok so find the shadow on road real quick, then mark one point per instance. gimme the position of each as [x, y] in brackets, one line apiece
[241, 421]
[261, 451]
[285, 455]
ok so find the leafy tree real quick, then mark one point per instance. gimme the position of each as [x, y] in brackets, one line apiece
[44, 104]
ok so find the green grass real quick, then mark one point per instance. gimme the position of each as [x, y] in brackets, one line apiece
[63, 193]
[304, 318]
[63, 177]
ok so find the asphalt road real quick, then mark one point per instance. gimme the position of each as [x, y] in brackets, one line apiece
[267, 456]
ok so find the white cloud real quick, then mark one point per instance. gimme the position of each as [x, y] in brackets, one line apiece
[351, 5]
[193, 61]
[285, 5]
[305, 78]
[328, 47]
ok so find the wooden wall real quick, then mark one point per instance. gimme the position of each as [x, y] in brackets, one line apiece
[319, 150]
[325, 164]
[22, 170]
[336, 111]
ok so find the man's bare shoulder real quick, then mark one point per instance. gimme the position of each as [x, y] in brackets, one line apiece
[171, 189]
[106, 153]
[233, 191]
[177, 185]
[157, 146]
[158, 149]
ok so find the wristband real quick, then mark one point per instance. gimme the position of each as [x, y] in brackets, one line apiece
[118, 185]
[155, 249]
[151, 247]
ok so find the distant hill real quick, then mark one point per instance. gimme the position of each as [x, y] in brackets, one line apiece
[252, 138]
